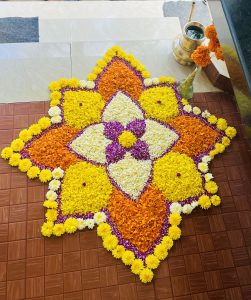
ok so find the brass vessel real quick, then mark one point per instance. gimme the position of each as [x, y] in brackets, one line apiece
[184, 45]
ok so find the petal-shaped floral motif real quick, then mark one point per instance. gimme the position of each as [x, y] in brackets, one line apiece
[122, 109]
[131, 175]
[91, 144]
[119, 76]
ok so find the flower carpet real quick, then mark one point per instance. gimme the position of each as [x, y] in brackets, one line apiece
[125, 152]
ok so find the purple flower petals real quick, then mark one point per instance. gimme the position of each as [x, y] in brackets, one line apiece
[137, 127]
[140, 150]
[114, 152]
[113, 130]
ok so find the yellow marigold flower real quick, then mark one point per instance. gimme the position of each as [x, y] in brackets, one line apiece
[184, 101]
[216, 200]
[17, 145]
[63, 82]
[91, 76]
[110, 242]
[175, 219]
[211, 187]
[204, 202]
[44, 123]
[56, 95]
[35, 129]
[104, 230]
[161, 251]
[58, 229]
[212, 119]
[174, 232]
[24, 165]
[127, 139]
[168, 242]
[225, 141]
[97, 70]
[107, 58]
[45, 175]
[118, 251]
[146, 275]
[47, 228]
[219, 148]
[152, 261]
[137, 266]
[50, 204]
[212, 153]
[73, 83]
[145, 74]
[231, 132]
[128, 257]
[71, 225]
[54, 103]
[51, 215]
[33, 172]
[6, 153]
[101, 63]
[54, 86]
[15, 159]
[221, 124]
[25, 135]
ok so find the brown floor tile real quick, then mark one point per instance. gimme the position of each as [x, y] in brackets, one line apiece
[54, 284]
[111, 293]
[163, 288]
[16, 289]
[72, 281]
[92, 294]
[35, 287]
[35, 267]
[53, 264]
[128, 291]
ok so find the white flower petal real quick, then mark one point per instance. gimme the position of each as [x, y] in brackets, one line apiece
[148, 82]
[122, 109]
[99, 217]
[187, 209]
[92, 143]
[158, 138]
[89, 223]
[81, 224]
[56, 119]
[82, 83]
[131, 175]
[194, 204]
[54, 111]
[58, 173]
[51, 195]
[54, 185]
[175, 207]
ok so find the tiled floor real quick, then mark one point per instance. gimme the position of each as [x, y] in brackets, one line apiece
[210, 261]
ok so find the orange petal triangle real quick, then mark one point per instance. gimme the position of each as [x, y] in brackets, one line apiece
[119, 76]
[50, 149]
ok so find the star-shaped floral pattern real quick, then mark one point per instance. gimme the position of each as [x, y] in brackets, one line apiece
[122, 150]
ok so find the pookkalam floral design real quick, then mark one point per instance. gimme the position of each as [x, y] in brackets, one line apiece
[122, 151]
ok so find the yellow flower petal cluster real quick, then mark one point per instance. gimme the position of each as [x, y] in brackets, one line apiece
[219, 148]
[177, 188]
[164, 79]
[85, 188]
[33, 172]
[146, 275]
[159, 103]
[211, 187]
[128, 257]
[137, 266]
[45, 175]
[104, 230]
[58, 229]
[118, 251]
[212, 119]
[25, 135]
[63, 82]
[54, 86]
[221, 124]
[35, 129]
[70, 225]
[161, 251]
[231, 132]
[6, 153]
[152, 262]
[47, 229]
[73, 83]
[51, 215]
[44, 123]
[24, 165]
[175, 219]
[50, 204]
[82, 108]
[225, 141]
[110, 242]
[216, 200]
[15, 159]
[127, 139]
[167, 241]
[17, 145]
[204, 202]
[174, 232]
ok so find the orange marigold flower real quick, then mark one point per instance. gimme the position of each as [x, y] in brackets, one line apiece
[201, 56]
[210, 32]
[219, 53]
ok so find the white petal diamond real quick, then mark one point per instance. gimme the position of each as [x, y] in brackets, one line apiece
[131, 175]
[122, 109]
[158, 137]
[91, 144]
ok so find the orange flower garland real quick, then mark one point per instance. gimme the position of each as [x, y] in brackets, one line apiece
[201, 56]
